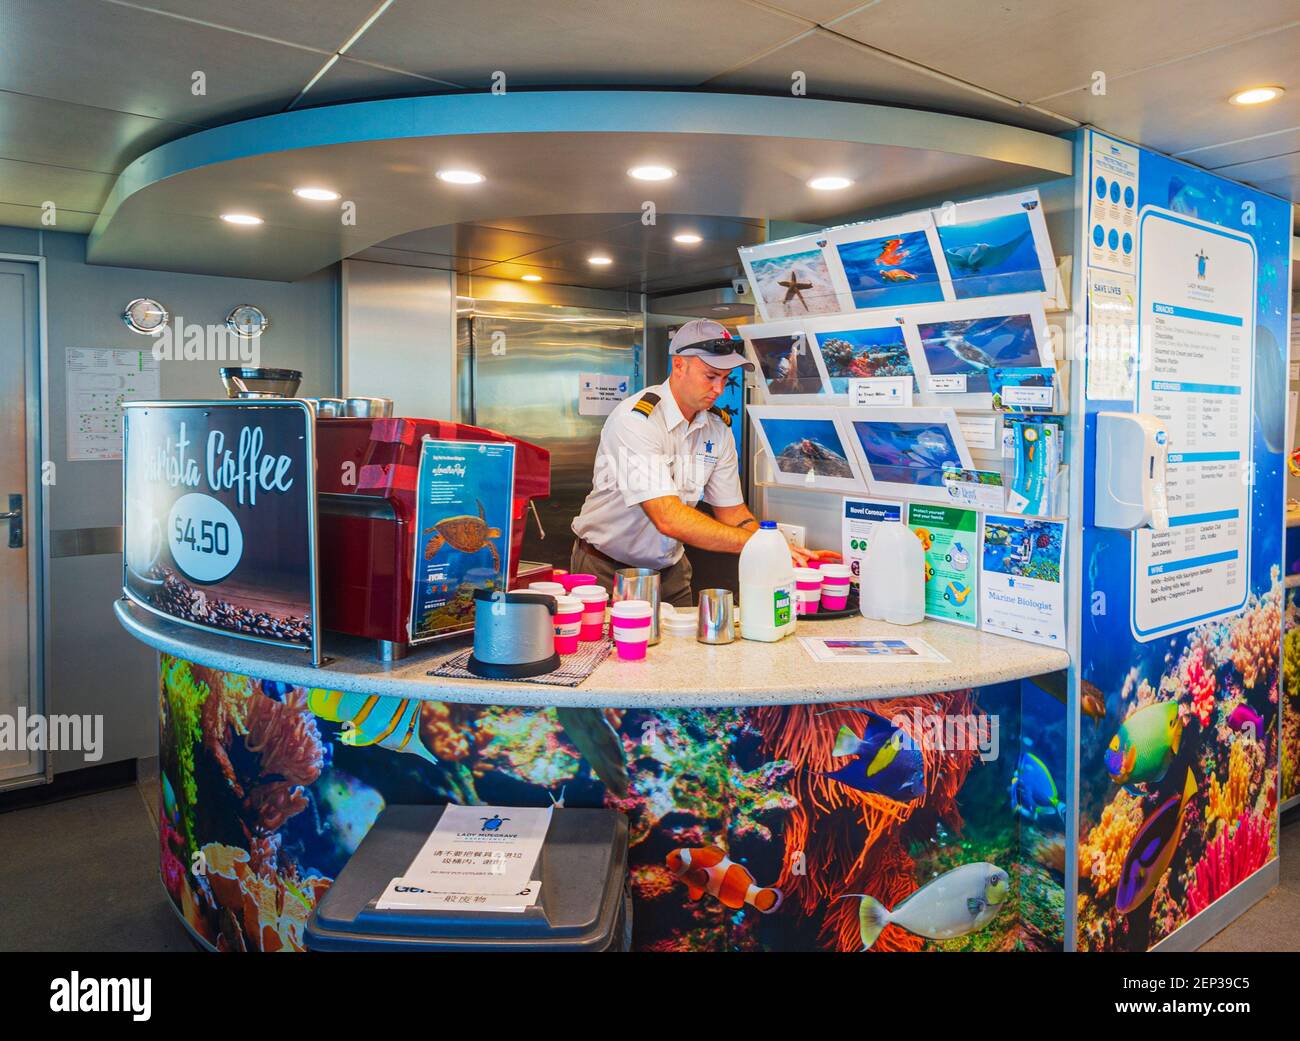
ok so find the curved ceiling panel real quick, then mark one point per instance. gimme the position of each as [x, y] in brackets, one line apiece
[544, 152]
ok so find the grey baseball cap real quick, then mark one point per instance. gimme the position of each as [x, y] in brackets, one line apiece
[712, 341]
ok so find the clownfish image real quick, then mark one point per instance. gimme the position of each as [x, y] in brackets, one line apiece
[707, 869]
[892, 255]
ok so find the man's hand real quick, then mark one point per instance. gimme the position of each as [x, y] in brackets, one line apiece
[801, 556]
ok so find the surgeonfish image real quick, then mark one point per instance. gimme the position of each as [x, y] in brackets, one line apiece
[1140, 753]
[1033, 790]
[1153, 849]
[392, 723]
[599, 744]
[708, 869]
[961, 901]
[886, 760]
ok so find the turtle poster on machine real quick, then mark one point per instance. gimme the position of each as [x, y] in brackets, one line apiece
[462, 532]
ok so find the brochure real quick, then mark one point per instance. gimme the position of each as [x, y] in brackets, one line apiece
[857, 524]
[879, 650]
[950, 537]
[1021, 589]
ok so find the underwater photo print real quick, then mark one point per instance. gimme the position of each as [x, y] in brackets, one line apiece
[789, 284]
[850, 352]
[891, 262]
[904, 451]
[961, 350]
[785, 361]
[997, 246]
[893, 825]
[806, 447]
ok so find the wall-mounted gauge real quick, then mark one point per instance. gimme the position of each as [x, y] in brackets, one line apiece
[247, 322]
[145, 316]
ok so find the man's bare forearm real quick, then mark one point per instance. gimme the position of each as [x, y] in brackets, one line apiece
[676, 520]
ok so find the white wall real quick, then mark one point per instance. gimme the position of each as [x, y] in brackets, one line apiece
[398, 331]
[95, 667]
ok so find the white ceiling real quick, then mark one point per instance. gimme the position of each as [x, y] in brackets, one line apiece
[88, 85]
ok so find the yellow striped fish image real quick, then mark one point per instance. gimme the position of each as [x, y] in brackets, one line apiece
[368, 719]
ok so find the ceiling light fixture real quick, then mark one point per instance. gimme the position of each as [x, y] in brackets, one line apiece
[688, 238]
[829, 184]
[460, 177]
[241, 218]
[600, 260]
[1256, 95]
[652, 173]
[531, 278]
[317, 194]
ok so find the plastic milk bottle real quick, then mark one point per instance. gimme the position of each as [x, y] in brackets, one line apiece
[766, 586]
[892, 584]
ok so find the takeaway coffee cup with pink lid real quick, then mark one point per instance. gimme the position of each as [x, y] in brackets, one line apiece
[571, 582]
[630, 622]
[568, 623]
[593, 600]
[835, 586]
[808, 588]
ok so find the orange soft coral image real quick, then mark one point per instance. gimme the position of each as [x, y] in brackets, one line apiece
[1102, 853]
[833, 838]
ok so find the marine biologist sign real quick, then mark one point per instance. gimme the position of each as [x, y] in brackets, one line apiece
[219, 517]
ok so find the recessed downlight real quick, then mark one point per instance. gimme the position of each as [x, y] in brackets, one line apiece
[1256, 95]
[317, 194]
[652, 173]
[531, 278]
[831, 183]
[241, 218]
[461, 176]
[600, 260]
[688, 238]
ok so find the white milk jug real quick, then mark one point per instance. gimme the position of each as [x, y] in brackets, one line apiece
[767, 586]
[891, 586]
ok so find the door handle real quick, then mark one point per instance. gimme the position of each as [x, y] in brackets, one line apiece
[15, 519]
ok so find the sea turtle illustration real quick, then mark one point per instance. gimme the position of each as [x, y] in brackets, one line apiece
[494, 822]
[465, 534]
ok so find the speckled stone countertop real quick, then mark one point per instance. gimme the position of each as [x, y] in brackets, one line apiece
[676, 672]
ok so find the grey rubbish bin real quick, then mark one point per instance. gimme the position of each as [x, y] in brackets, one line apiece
[584, 903]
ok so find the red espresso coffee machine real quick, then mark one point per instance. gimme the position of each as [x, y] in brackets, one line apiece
[366, 472]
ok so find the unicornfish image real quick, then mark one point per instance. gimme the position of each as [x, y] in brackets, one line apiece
[708, 869]
[958, 902]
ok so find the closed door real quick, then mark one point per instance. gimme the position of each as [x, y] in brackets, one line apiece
[18, 465]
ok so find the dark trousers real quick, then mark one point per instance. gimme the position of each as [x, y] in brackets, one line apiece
[674, 582]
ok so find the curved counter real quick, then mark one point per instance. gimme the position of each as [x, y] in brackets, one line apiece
[678, 672]
[814, 781]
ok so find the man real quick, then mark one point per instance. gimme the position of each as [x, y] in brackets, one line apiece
[660, 452]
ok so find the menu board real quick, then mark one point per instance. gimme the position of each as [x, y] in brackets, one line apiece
[463, 519]
[219, 527]
[1196, 306]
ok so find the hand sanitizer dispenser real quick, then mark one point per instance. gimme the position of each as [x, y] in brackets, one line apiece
[1129, 492]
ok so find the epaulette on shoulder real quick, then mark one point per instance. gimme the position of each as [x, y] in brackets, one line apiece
[646, 403]
[720, 414]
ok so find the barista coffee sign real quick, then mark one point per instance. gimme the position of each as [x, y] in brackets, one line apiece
[219, 527]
